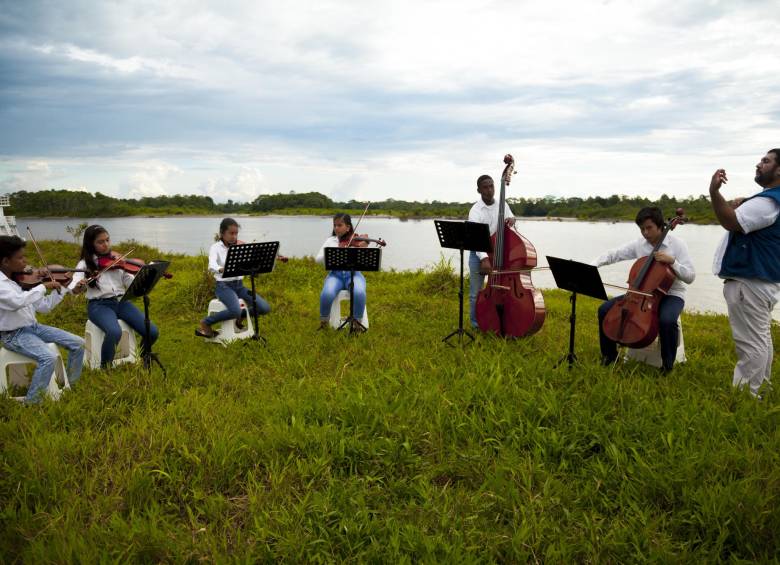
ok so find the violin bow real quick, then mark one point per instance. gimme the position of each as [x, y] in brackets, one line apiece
[117, 260]
[40, 256]
[355, 227]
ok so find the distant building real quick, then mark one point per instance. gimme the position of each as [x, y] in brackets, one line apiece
[7, 223]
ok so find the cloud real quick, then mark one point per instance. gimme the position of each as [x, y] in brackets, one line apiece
[244, 186]
[154, 179]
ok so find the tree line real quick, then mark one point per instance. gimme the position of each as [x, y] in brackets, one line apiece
[68, 203]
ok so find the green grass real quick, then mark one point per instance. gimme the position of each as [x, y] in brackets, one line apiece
[389, 446]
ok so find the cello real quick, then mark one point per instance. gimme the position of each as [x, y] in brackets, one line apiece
[509, 305]
[633, 319]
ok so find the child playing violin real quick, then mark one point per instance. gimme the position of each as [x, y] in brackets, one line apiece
[337, 281]
[229, 289]
[104, 289]
[19, 329]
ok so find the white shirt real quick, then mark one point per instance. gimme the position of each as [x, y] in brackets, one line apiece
[682, 266]
[753, 215]
[484, 214]
[111, 283]
[332, 241]
[18, 307]
[217, 255]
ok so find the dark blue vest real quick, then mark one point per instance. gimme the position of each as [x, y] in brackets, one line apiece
[755, 255]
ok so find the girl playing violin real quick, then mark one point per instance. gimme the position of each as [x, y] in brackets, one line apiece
[21, 332]
[229, 289]
[337, 281]
[104, 290]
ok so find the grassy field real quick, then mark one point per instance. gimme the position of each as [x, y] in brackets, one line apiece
[389, 446]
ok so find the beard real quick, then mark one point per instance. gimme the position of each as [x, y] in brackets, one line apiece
[766, 179]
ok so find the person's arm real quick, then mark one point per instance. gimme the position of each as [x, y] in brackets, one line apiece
[13, 298]
[476, 217]
[332, 241]
[48, 302]
[682, 265]
[628, 251]
[214, 266]
[724, 211]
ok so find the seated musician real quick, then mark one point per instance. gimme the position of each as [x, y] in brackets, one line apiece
[19, 330]
[674, 252]
[484, 211]
[228, 289]
[336, 281]
[104, 290]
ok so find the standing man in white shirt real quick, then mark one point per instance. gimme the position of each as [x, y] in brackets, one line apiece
[748, 259]
[674, 252]
[20, 331]
[484, 211]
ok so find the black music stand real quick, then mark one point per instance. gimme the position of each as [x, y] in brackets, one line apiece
[577, 278]
[473, 236]
[352, 259]
[142, 285]
[251, 259]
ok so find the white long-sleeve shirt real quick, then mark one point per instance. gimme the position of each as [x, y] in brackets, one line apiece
[753, 215]
[484, 214]
[217, 255]
[111, 283]
[18, 307]
[682, 266]
[332, 241]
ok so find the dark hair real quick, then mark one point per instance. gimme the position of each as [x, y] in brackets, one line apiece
[347, 219]
[226, 224]
[483, 177]
[88, 249]
[777, 155]
[650, 213]
[10, 244]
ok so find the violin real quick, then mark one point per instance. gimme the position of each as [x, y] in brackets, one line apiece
[633, 319]
[32, 277]
[509, 305]
[115, 261]
[357, 240]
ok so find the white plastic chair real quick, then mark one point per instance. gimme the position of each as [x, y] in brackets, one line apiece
[227, 330]
[651, 354]
[13, 369]
[93, 342]
[336, 319]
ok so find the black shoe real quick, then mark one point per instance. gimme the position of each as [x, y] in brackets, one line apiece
[240, 320]
[666, 370]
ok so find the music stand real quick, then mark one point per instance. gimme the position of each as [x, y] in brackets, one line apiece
[142, 285]
[352, 259]
[578, 278]
[251, 259]
[473, 236]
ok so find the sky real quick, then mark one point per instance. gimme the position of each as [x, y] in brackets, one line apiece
[399, 99]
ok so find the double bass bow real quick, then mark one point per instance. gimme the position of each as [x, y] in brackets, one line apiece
[633, 319]
[509, 305]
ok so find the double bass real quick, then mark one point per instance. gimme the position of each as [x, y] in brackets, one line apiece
[509, 305]
[633, 319]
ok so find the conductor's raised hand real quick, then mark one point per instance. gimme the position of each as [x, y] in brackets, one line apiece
[719, 178]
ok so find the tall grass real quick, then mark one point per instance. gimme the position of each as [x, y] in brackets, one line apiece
[388, 447]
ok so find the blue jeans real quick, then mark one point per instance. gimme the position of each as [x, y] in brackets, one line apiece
[105, 313]
[668, 312]
[31, 341]
[476, 282]
[335, 282]
[228, 293]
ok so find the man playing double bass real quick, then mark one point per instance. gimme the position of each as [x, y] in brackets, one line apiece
[748, 259]
[674, 252]
[484, 211]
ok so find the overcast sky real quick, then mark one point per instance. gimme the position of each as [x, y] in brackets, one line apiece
[370, 100]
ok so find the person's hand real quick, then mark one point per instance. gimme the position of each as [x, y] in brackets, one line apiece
[737, 202]
[662, 257]
[719, 178]
[510, 222]
[484, 266]
[220, 270]
[80, 287]
[52, 285]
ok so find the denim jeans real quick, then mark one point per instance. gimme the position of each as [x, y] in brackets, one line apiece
[668, 312]
[105, 313]
[476, 282]
[228, 293]
[31, 341]
[335, 282]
